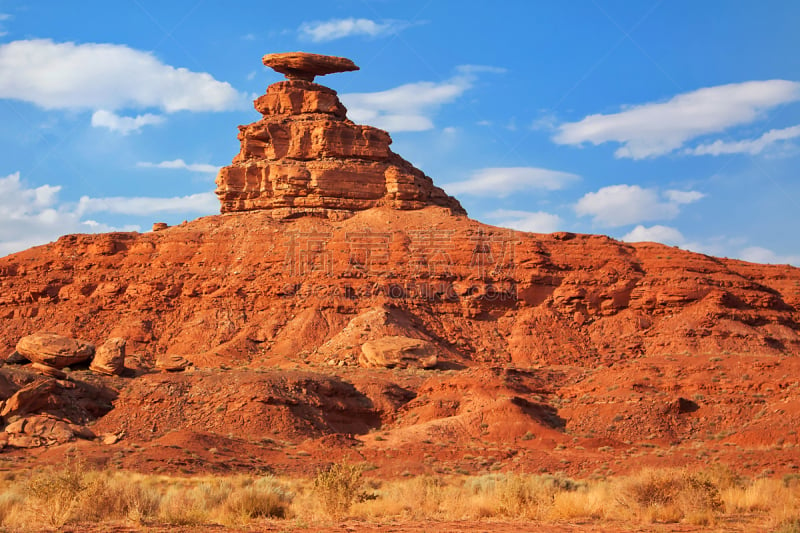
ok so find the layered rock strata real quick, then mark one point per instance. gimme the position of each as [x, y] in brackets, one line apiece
[306, 157]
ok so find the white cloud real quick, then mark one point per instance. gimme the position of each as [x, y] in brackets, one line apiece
[123, 125]
[683, 197]
[205, 202]
[478, 69]
[619, 205]
[546, 122]
[531, 221]
[720, 247]
[717, 246]
[105, 76]
[330, 30]
[749, 146]
[404, 108]
[501, 181]
[757, 254]
[410, 107]
[30, 216]
[662, 234]
[180, 164]
[655, 129]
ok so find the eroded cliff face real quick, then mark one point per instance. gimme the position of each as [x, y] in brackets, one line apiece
[244, 286]
[305, 157]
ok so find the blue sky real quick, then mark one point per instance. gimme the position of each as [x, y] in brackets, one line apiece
[674, 121]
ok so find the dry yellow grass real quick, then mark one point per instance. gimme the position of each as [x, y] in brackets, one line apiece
[72, 495]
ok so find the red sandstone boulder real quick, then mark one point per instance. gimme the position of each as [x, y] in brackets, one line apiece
[110, 357]
[172, 363]
[44, 430]
[54, 350]
[48, 370]
[305, 66]
[398, 352]
[34, 397]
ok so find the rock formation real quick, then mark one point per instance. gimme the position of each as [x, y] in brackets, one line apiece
[110, 357]
[171, 363]
[305, 157]
[32, 398]
[305, 67]
[554, 352]
[396, 351]
[54, 350]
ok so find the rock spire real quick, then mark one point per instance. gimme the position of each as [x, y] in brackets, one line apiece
[306, 157]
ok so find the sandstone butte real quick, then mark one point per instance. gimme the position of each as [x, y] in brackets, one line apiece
[559, 352]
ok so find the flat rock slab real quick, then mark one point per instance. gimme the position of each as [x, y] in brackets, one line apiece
[396, 351]
[54, 350]
[305, 66]
[172, 363]
[32, 398]
[48, 370]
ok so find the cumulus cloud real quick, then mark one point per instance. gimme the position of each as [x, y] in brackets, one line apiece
[683, 197]
[123, 125]
[330, 30]
[405, 108]
[757, 254]
[718, 246]
[655, 129]
[105, 76]
[499, 182]
[30, 216]
[410, 107]
[180, 164]
[532, 221]
[748, 146]
[662, 234]
[620, 205]
[144, 205]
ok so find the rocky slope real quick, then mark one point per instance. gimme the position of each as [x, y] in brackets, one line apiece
[562, 351]
[245, 287]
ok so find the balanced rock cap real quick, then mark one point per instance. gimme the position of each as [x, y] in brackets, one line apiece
[305, 66]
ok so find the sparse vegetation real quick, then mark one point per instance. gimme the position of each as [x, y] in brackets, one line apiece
[338, 486]
[52, 498]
